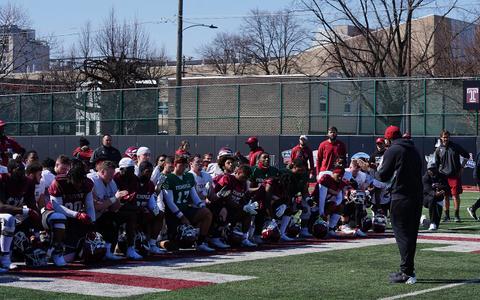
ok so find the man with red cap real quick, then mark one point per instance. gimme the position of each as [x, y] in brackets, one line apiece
[329, 151]
[8, 146]
[255, 150]
[402, 166]
[377, 155]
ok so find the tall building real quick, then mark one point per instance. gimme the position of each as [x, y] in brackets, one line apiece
[20, 52]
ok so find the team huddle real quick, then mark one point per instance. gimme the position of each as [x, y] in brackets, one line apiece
[100, 205]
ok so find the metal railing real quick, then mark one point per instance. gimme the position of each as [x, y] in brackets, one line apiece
[422, 106]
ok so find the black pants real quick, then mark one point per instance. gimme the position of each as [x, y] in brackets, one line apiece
[434, 210]
[405, 216]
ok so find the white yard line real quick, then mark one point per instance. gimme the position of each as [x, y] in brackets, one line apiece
[438, 288]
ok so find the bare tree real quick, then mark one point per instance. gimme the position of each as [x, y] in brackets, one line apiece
[381, 42]
[274, 40]
[227, 53]
[118, 55]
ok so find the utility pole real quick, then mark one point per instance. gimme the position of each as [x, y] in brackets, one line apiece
[178, 74]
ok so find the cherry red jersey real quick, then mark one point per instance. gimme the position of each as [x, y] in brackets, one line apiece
[8, 146]
[238, 188]
[127, 184]
[144, 193]
[254, 155]
[328, 154]
[73, 198]
[303, 153]
[83, 155]
[18, 193]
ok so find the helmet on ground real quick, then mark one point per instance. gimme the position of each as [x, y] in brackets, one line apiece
[94, 248]
[36, 258]
[187, 235]
[270, 231]
[379, 223]
[366, 224]
[293, 229]
[320, 229]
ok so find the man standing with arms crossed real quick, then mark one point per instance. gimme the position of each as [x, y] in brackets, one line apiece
[447, 159]
[402, 165]
[329, 151]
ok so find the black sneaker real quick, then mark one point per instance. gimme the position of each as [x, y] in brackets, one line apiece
[446, 219]
[403, 278]
[457, 220]
[472, 213]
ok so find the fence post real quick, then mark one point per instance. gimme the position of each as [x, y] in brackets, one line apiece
[122, 104]
[19, 115]
[424, 107]
[50, 117]
[327, 104]
[309, 105]
[85, 96]
[158, 111]
[374, 107]
[197, 90]
[238, 109]
[281, 107]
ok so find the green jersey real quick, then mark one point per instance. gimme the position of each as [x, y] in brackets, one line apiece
[259, 175]
[180, 186]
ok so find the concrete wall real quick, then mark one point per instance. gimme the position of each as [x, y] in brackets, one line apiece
[52, 146]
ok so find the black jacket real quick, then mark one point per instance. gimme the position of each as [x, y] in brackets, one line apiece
[447, 158]
[432, 185]
[402, 165]
[476, 170]
[109, 153]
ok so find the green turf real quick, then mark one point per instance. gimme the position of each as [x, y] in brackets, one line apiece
[343, 274]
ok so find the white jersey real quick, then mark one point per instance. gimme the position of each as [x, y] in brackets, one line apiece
[3, 170]
[214, 170]
[47, 178]
[155, 175]
[362, 179]
[203, 183]
[102, 191]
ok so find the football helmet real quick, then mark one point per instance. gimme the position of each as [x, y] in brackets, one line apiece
[94, 248]
[270, 231]
[320, 229]
[36, 258]
[131, 152]
[358, 196]
[366, 224]
[187, 235]
[379, 223]
[234, 236]
[293, 229]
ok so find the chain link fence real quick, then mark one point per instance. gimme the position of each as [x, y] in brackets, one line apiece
[359, 107]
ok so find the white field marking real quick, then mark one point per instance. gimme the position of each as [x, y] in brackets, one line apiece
[151, 270]
[438, 288]
[462, 227]
[78, 287]
[462, 248]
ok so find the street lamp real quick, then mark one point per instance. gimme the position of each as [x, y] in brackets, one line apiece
[178, 71]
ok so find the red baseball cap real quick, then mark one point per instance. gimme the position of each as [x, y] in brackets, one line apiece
[380, 140]
[392, 132]
[2, 123]
[251, 140]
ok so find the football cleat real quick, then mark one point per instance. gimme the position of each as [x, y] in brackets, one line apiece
[132, 254]
[218, 243]
[432, 227]
[248, 243]
[59, 260]
[203, 247]
[110, 256]
[472, 213]
[6, 262]
[285, 238]
[403, 278]
[305, 234]
[153, 249]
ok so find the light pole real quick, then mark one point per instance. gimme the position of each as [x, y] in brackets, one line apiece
[178, 72]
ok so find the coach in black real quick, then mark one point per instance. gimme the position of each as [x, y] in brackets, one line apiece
[402, 166]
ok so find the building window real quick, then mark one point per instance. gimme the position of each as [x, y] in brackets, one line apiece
[347, 108]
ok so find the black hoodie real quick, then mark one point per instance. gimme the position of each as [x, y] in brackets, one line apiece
[403, 165]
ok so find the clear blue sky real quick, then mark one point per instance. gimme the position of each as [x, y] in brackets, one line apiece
[63, 17]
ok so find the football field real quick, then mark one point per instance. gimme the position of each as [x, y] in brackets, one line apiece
[447, 265]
